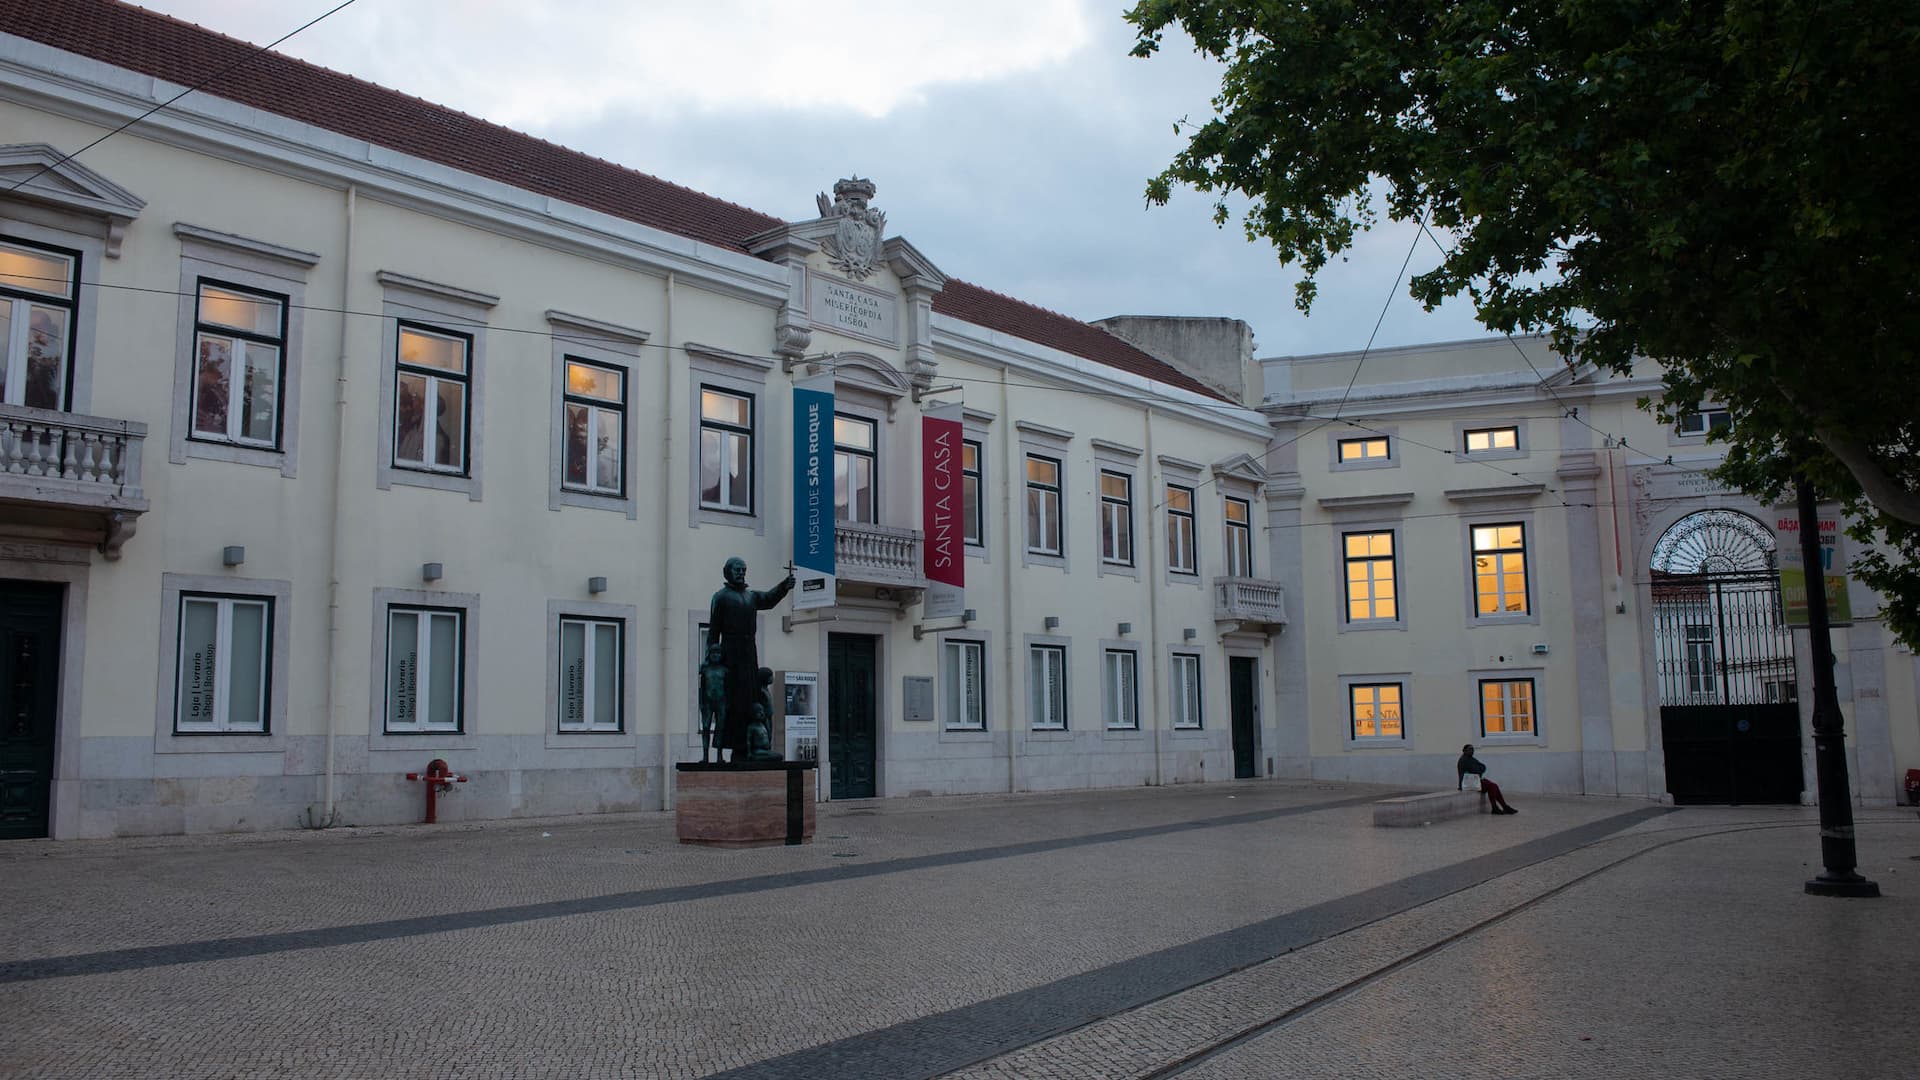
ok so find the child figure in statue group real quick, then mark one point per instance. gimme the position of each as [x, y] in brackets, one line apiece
[760, 731]
[713, 705]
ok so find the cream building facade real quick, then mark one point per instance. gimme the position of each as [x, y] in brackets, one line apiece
[332, 458]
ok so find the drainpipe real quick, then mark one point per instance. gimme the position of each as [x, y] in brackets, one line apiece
[1008, 530]
[338, 538]
[668, 628]
[1151, 565]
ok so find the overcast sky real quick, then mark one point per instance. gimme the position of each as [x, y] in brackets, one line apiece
[1011, 140]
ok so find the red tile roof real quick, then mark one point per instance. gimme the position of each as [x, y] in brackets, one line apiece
[180, 52]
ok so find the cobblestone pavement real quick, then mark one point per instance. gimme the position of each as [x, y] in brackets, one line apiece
[1244, 930]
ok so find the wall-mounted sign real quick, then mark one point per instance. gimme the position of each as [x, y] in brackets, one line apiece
[813, 492]
[916, 691]
[1793, 574]
[802, 715]
[943, 506]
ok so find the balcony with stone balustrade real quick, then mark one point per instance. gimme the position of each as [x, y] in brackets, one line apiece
[1252, 604]
[66, 477]
[880, 561]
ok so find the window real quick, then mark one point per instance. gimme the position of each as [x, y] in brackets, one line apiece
[1370, 586]
[1184, 672]
[425, 653]
[1043, 505]
[854, 497]
[1374, 711]
[590, 665]
[1704, 421]
[726, 451]
[1500, 569]
[1369, 449]
[1047, 686]
[963, 671]
[430, 400]
[1485, 440]
[594, 405]
[38, 287]
[1122, 689]
[1239, 537]
[972, 512]
[239, 340]
[1116, 518]
[1700, 660]
[1180, 550]
[1506, 707]
[224, 666]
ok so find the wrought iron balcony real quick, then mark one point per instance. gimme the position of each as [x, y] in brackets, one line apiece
[1251, 603]
[64, 475]
[873, 557]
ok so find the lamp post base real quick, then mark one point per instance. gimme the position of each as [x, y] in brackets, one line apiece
[1852, 885]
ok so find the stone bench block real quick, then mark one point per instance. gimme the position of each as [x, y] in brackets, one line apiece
[1409, 810]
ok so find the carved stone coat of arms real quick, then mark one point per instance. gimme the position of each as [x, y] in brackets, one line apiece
[858, 228]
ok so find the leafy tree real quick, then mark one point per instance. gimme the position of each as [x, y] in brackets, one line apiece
[1723, 186]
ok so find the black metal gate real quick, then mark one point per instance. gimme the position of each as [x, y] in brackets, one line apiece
[1729, 712]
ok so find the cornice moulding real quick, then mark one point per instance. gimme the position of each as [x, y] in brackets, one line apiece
[291, 256]
[1384, 501]
[1504, 493]
[597, 329]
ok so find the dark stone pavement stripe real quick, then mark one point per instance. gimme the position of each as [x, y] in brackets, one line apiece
[941, 1043]
[197, 952]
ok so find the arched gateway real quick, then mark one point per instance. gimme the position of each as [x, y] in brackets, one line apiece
[1729, 717]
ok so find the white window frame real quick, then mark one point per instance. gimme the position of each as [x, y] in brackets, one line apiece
[728, 433]
[449, 311]
[1702, 420]
[1037, 441]
[1349, 686]
[1116, 520]
[1463, 430]
[871, 456]
[954, 691]
[1372, 598]
[1050, 525]
[595, 407]
[242, 343]
[627, 615]
[467, 606]
[1537, 677]
[221, 723]
[1348, 434]
[1508, 699]
[1120, 689]
[425, 619]
[590, 660]
[277, 594]
[1179, 521]
[974, 525]
[1702, 675]
[1235, 536]
[741, 376]
[1528, 614]
[434, 378]
[1048, 713]
[20, 302]
[580, 339]
[1186, 691]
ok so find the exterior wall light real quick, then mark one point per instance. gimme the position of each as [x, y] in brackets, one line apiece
[1125, 629]
[233, 555]
[1189, 634]
[430, 571]
[596, 584]
[1051, 622]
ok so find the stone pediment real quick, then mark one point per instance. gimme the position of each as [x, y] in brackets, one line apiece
[36, 172]
[1243, 467]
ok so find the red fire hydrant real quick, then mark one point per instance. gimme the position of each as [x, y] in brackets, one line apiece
[440, 779]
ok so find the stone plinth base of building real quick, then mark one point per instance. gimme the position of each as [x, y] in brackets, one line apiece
[756, 804]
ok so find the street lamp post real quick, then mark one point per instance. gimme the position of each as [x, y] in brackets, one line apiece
[1829, 738]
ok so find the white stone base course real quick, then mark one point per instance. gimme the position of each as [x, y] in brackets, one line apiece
[1409, 810]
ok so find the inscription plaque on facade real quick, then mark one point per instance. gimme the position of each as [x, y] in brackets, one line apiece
[849, 309]
[918, 694]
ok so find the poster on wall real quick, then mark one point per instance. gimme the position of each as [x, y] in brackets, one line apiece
[802, 715]
[813, 492]
[1793, 572]
[942, 510]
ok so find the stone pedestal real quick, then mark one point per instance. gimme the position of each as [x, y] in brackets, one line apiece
[756, 804]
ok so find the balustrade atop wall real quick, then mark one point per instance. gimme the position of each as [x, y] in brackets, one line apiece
[877, 555]
[59, 462]
[1249, 601]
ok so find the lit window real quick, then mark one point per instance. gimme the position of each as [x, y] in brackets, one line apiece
[973, 512]
[1239, 520]
[1374, 711]
[1043, 505]
[1370, 449]
[424, 662]
[1370, 585]
[430, 400]
[221, 683]
[591, 666]
[1180, 550]
[1500, 569]
[1185, 690]
[1481, 440]
[726, 451]
[239, 340]
[1116, 518]
[595, 407]
[1121, 690]
[37, 291]
[854, 498]
[1047, 686]
[963, 671]
[1506, 707]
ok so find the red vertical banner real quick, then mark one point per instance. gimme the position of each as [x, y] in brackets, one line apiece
[942, 509]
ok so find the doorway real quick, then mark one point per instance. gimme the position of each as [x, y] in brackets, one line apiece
[1243, 692]
[853, 710]
[29, 687]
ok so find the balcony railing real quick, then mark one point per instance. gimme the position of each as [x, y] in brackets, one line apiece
[882, 555]
[1250, 602]
[53, 464]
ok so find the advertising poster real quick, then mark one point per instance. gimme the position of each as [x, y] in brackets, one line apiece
[813, 492]
[1793, 573]
[943, 505]
[803, 716]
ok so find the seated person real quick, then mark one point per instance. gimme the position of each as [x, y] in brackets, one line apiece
[1470, 764]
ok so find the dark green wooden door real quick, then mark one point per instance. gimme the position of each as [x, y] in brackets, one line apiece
[29, 683]
[1243, 687]
[852, 715]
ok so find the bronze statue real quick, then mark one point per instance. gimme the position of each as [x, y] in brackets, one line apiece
[732, 621]
[760, 732]
[713, 703]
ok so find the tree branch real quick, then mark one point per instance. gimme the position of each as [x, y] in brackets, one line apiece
[1888, 495]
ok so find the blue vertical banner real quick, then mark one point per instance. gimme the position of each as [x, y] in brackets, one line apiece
[813, 492]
